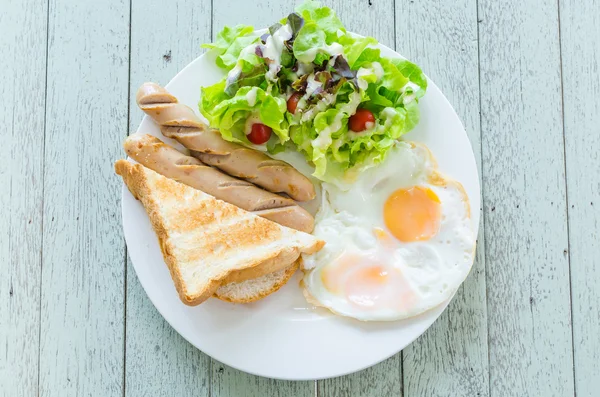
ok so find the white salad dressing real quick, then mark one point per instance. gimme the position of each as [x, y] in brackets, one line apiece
[324, 138]
[411, 97]
[362, 72]
[289, 91]
[251, 96]
[378, 70]
[311, 85]
[333, 50]
[238, 66]
[305, 68]
[362, 83]
[388, 114]
[327, 100]
[375, 70]
[273, 49]
[408, 99]
[234, 72]
[308, 56]
[255, 118]
[412, 85]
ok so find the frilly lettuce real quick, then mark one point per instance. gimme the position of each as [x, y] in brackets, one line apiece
[231, 113]
[334, 71]
[323, 17]
[230, 43]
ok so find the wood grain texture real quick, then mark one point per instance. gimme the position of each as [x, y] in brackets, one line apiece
[230, 382]
[69, 326]
[23, 37]
[383, 379]
[580, 39]
[451, 358]
[524, 192]
[82, 330]
[159, 362]
[376, 19]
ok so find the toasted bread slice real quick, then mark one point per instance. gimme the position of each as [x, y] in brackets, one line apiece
[205, 240]
[258, 288]
[251, 273]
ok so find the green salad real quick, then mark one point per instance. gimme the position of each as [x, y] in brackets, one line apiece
[309, 85]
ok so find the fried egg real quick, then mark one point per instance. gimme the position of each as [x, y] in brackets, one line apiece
[399, 241]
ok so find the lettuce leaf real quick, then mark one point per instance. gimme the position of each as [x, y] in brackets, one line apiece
[356, 50]
[230, 114]
[253, 76]
[309, 41]
[321, 28]
[334, 73]
[227, 36]
[230, 43]
[323, 17]
[413, 73]
[392, 79]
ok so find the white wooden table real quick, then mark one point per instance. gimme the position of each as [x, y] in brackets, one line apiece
[524, 76]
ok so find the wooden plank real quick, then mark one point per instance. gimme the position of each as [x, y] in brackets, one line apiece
[24, 37]
[226, 381]
[524, 193]
[159, 361]
[451, 358]
[385, 378]
[83, 263]
[229, 382]
[580, 38]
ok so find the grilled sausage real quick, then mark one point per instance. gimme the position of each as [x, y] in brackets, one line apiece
[178, 121]
[168, 161]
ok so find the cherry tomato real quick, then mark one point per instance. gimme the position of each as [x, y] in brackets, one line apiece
[358, 121]
[292, 102]
[260, 134]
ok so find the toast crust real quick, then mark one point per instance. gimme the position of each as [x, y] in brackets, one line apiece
[229, 294]
[137, 185]
[207, 217]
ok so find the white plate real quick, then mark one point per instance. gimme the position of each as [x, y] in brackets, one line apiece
[282, 336]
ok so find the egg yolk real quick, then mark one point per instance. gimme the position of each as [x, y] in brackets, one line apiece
[332, 275]
[412, 214]
[366, 284]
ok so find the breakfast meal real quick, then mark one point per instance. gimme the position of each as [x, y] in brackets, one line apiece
[296, 163]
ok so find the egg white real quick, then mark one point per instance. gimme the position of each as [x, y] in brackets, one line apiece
[420, 275]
